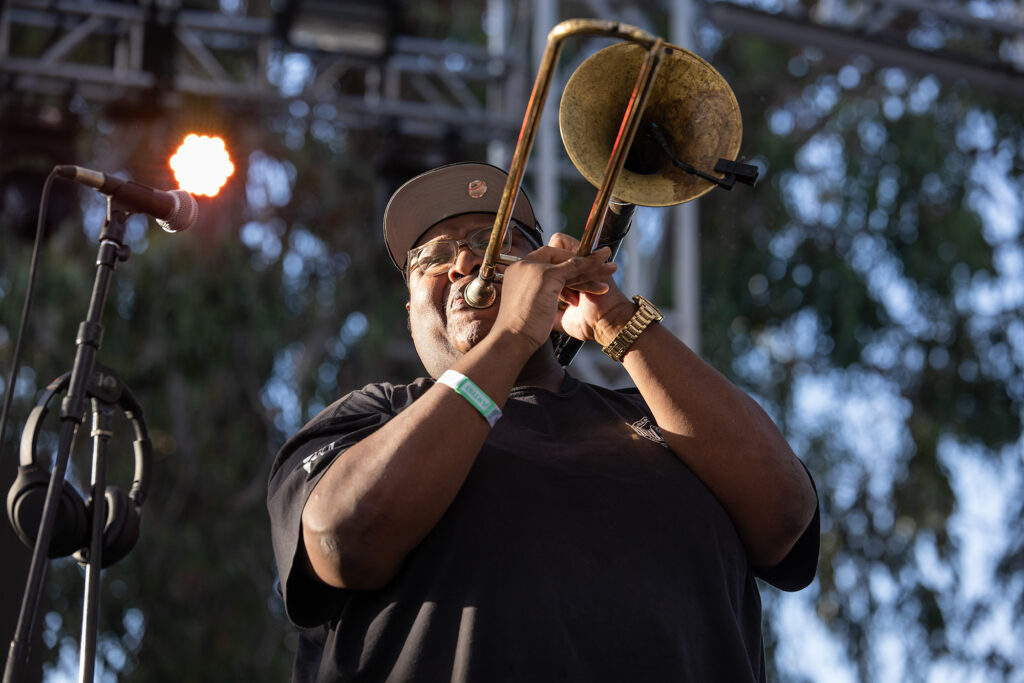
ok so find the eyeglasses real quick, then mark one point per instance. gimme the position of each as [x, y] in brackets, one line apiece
[437, 256]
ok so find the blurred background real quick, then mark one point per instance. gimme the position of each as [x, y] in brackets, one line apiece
[867, 291]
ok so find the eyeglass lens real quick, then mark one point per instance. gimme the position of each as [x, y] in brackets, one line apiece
[438, 256]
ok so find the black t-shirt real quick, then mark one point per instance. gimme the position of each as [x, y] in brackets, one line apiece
[579, 548]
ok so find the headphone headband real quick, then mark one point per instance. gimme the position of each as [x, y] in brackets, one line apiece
[106, 386]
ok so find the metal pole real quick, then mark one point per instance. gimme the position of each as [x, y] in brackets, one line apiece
[102, 414]
[685, 217]
[498, 91]
[547, 183]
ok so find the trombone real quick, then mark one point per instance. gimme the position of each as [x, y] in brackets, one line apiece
[685, 112]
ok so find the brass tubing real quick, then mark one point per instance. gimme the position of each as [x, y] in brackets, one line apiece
[481, 292]
[623, 141]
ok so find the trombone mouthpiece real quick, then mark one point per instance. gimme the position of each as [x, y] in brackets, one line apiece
[480, 293]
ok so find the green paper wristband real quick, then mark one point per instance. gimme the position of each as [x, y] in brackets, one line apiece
[467, 389]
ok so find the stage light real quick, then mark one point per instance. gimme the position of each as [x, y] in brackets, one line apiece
[201, 165]
[340, 27]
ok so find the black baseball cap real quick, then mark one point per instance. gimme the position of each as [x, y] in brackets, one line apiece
[445, 192]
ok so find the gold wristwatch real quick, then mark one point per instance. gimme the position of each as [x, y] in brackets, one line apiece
[646, 313]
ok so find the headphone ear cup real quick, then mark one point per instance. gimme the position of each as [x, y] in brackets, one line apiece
[121, 529]
[25, 502]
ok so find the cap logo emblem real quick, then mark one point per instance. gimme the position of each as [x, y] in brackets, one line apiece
[476, 189]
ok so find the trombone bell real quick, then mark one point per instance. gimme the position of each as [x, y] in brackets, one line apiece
[691, 103]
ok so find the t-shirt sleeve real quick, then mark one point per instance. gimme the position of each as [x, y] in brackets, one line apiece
[797, 569]
[296, 471]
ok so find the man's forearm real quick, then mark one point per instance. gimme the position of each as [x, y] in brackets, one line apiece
[727, 440]
[379, 499]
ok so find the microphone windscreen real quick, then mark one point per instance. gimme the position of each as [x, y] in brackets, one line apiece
[184, 213]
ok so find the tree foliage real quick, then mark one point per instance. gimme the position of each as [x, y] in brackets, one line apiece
[871, 295]
[867, 291]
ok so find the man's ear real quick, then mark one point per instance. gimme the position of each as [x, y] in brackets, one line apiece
[408, 318]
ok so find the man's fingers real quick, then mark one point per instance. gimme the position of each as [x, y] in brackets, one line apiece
[572, 263]
[586, 274]
[552, 253]
[560, 240]
[571, 273]
[590, 287]
[571, 268]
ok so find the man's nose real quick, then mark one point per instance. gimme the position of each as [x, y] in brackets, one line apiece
[465, 263]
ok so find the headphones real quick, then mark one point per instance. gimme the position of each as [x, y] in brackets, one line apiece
[71, 533]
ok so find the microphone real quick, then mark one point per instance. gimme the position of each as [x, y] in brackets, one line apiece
[174, 211]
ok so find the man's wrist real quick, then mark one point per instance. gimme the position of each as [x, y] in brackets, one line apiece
[611, 323]
[643, 316]
[473, 394]
[511, 344]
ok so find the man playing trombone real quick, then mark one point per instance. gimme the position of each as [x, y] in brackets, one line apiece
[503, 521]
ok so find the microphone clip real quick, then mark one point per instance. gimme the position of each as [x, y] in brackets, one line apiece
[733, 171]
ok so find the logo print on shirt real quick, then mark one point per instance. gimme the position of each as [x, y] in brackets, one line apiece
[646, 428]
[309, 462]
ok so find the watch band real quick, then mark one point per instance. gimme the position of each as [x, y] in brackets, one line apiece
[646, 313]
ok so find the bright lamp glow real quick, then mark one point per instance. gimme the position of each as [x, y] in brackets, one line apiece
[202, 165]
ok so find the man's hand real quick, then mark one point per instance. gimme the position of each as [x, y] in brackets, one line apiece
[531, 288]
[590, 314]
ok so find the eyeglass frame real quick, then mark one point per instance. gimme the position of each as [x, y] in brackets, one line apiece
[505, 258]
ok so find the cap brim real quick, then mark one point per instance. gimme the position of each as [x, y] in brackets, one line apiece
[442, 193]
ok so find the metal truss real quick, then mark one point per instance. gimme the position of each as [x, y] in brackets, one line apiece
[105, 51]
[99, 49]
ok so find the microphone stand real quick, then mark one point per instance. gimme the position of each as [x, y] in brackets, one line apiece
[72, 413]
[102, 414]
